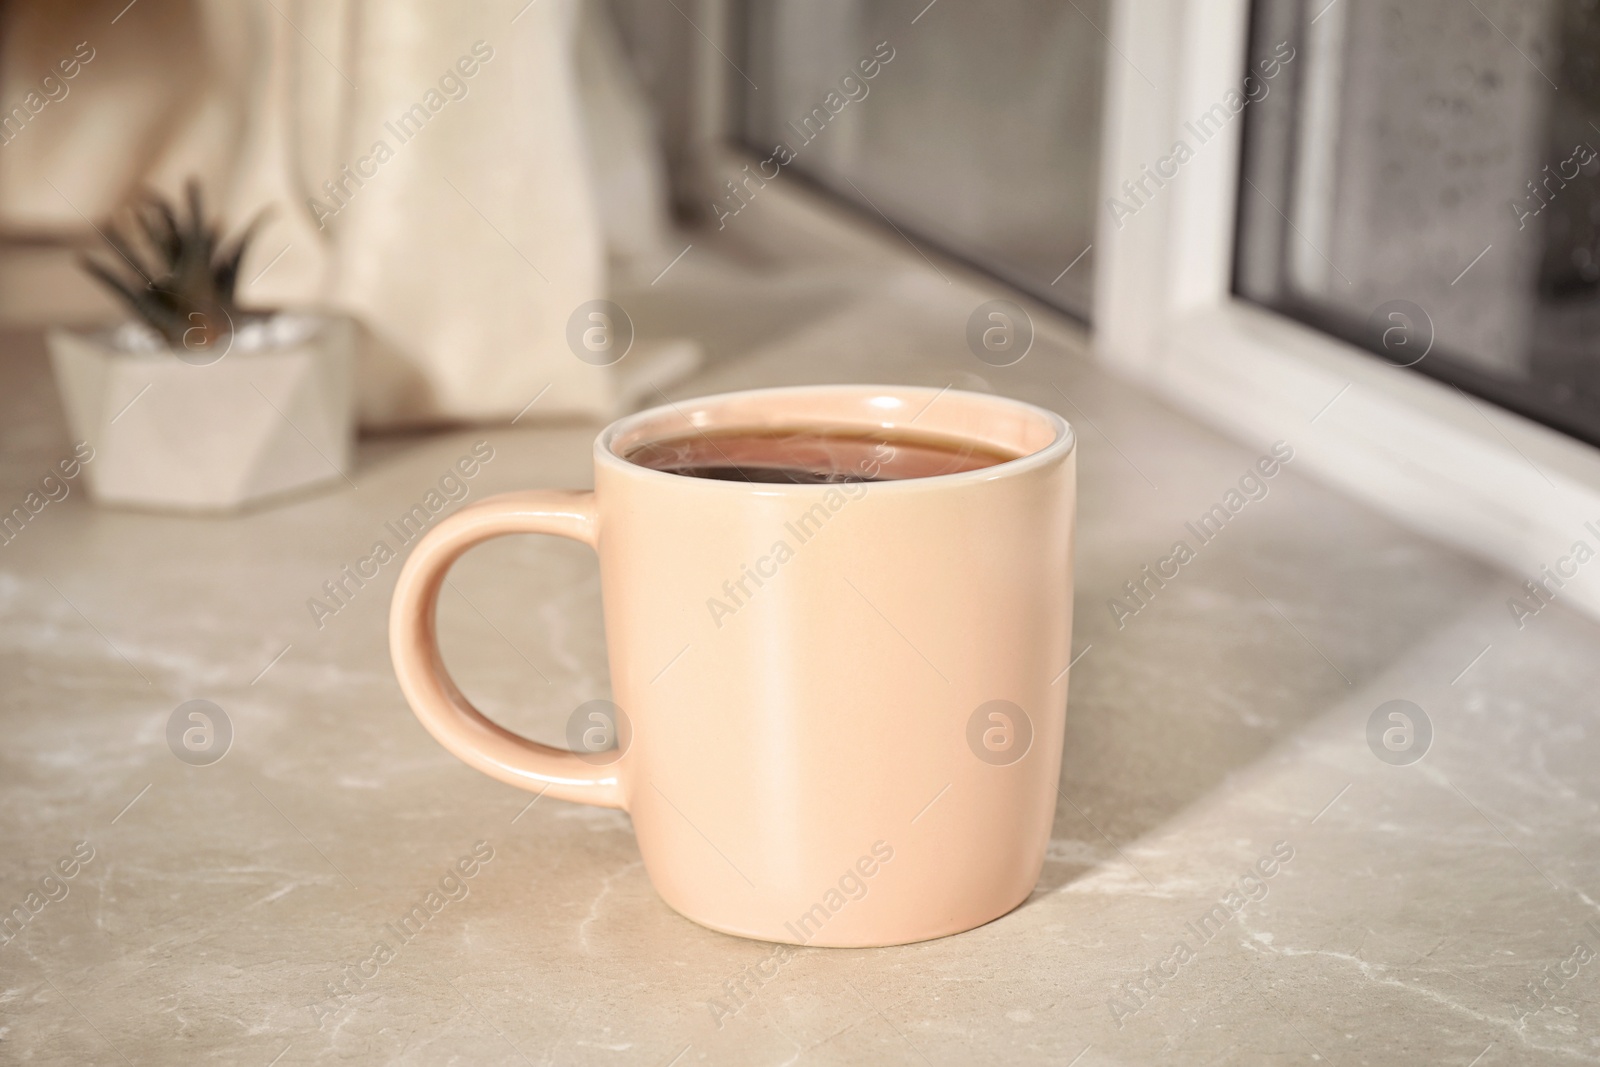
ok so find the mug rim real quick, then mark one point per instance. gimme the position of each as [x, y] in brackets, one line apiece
[1063, 443]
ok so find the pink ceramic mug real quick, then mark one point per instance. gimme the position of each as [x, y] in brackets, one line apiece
[860, 748]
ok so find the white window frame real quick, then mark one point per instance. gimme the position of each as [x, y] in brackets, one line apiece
[1458, 469]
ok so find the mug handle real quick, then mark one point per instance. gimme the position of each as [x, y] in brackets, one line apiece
[427, 685]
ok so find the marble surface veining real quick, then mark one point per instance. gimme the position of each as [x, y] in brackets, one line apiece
[1219, 731]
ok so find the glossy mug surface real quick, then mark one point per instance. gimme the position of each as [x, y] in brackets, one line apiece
[841, 705]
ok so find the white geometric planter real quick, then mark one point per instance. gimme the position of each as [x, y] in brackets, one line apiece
[258, 422]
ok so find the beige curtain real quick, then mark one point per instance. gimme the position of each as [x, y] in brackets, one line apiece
[446, 173]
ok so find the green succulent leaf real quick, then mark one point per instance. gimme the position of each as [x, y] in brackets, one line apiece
[154, 307]
[182, 276]
[225, 268]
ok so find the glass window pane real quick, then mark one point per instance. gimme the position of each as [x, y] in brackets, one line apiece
[978, 131]
[1425, 182]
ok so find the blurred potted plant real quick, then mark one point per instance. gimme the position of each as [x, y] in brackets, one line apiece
[199, 404]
